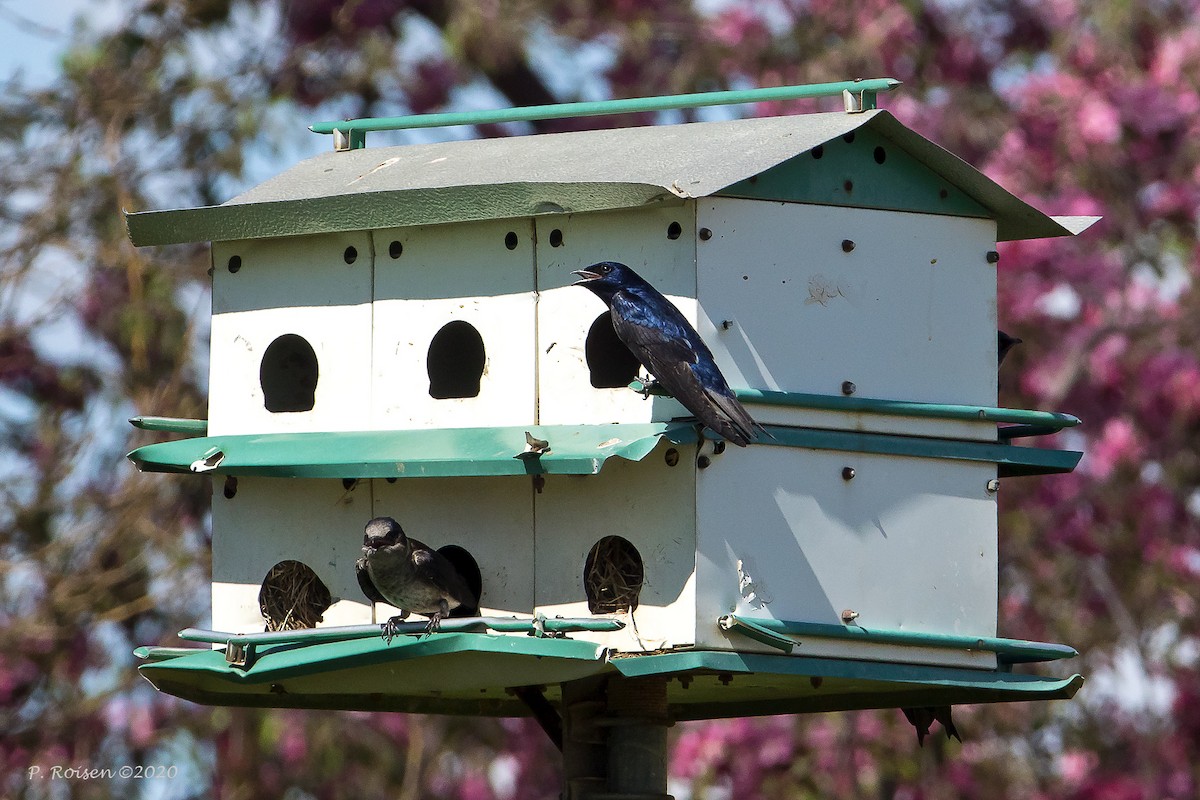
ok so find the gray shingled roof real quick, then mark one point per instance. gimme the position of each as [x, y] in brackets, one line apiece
[422, 184]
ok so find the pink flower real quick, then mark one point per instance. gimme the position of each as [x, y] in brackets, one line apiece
[738, 26]
[1118, 443]
[1174, 55]
[1098, 121]
[1076, 765]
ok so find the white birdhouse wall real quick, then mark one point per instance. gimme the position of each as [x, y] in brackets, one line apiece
[803, 298]
[478, 325]
[649, 504]
[454, 326]
[903, 543]
[291, 328]
[660, 245]
[259, 522]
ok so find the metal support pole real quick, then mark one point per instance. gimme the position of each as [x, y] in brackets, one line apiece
[583, 740]
[615, 739]
[637, 738]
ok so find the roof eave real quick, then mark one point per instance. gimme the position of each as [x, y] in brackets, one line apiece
[1015, 219]
[236, 221]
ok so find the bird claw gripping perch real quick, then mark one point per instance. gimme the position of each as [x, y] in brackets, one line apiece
[435, 623]
[389, 629]
[649, 386]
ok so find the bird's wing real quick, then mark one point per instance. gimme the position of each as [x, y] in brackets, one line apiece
[739, 418]
[652, 329]
[662, 339]
[437, 569]
[365, 583]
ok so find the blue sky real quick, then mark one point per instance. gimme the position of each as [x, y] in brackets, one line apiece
[33, 35]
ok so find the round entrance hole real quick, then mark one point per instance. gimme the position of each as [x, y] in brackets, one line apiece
[613, 575]
[288, 375]
[468, 568]
[610, 364]
[292, 597]
[455, 361]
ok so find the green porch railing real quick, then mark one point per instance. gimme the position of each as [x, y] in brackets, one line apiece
[1008, 651]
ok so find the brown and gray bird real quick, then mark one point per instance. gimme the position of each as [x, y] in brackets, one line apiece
[665, 343]
[409, 575]
[922, 717]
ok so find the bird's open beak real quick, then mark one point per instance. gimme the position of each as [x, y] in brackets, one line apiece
[585, 274]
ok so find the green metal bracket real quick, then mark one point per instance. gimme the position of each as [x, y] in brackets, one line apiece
[752, 630]
[860, 95]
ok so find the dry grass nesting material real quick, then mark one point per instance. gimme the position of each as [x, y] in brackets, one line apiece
[613, 576]
[293, 597]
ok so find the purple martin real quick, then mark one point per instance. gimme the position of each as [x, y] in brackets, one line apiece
[409, 575]
[922, 717]
[668, 346]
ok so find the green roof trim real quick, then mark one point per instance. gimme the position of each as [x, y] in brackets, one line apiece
[424, 453]
[335, 213]
[469, 673]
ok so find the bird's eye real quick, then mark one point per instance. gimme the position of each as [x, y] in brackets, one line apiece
[604, 269]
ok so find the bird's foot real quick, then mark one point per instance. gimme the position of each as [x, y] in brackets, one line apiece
[648, 383]
[390, 629]
[435, 623]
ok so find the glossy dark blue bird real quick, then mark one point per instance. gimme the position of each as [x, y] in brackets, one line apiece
[666, 344]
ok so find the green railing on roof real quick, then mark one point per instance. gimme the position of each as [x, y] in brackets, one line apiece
[351, 134]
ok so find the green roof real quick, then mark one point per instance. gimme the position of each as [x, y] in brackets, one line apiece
[471, 673]
[459, 181]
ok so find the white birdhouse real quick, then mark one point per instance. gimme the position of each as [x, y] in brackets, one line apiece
[390, 323]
